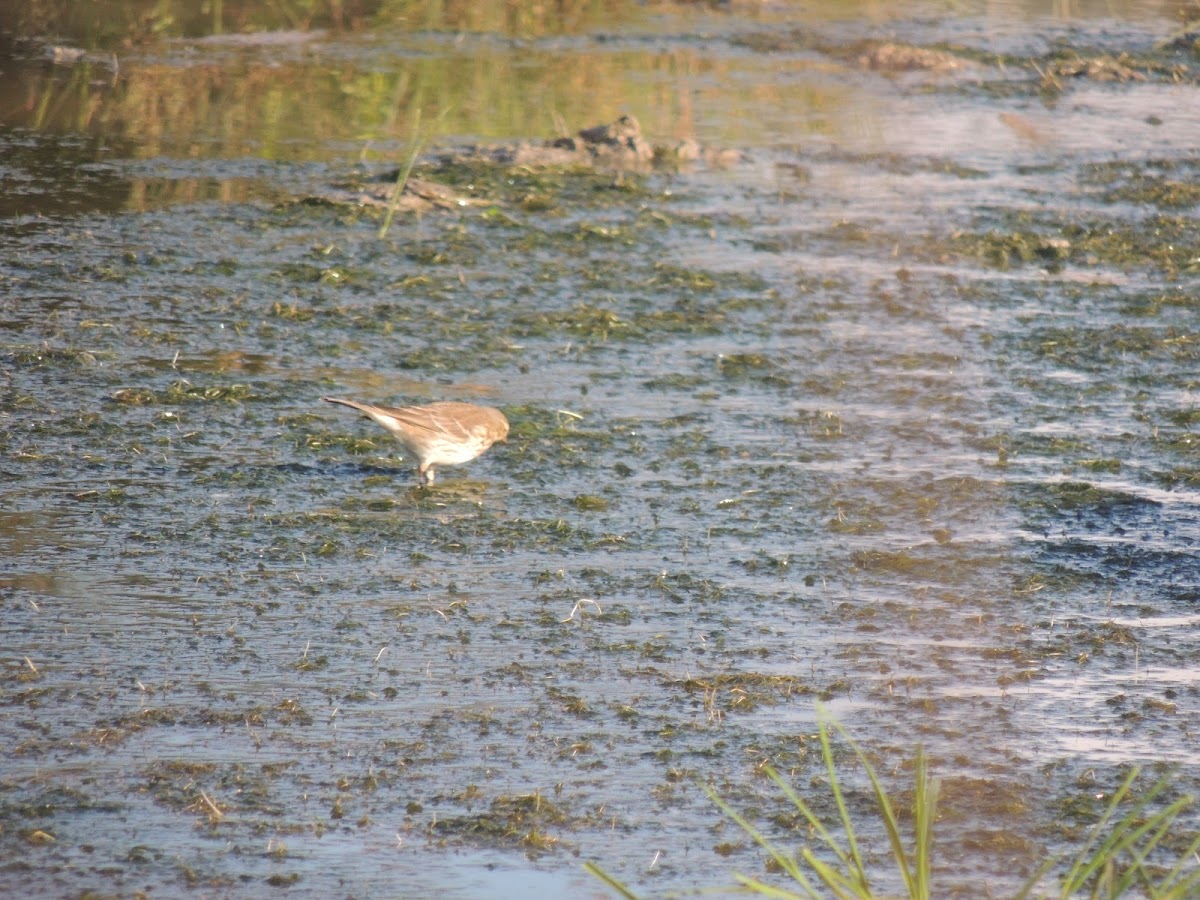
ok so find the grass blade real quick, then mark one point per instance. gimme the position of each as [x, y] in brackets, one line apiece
[769, 890]
[1110, 839]
[1169, 880]
[891, 824]
[826, 837]
[855, 858]
[1088, 861]
[1156, 827]
[1112, 863]
[842, 885]
[784, 860]
[1035, 879]
[613, 883]
[1121, 838]
[924, 814]
[416, 145]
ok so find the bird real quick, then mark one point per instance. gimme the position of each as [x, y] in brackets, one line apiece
[447, 433]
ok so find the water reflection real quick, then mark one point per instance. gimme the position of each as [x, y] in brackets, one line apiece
[257, 89]
[38, 533]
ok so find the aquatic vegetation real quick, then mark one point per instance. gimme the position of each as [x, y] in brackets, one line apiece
[1125, 852]
[182, 391]
[883, 396]
[1161, 242]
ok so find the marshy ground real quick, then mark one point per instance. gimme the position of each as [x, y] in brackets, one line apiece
[893, 411]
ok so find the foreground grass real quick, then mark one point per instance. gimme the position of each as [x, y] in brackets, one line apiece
[1112, 862]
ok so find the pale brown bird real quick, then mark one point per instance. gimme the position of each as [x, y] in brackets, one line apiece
[440, 434]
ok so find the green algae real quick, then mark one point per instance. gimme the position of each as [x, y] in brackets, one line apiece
[184, 392]
[1163, 183]
[1161, 242]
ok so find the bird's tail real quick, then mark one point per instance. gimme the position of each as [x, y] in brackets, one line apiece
[353, 404]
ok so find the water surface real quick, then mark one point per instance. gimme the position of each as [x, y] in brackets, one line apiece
[891, 413]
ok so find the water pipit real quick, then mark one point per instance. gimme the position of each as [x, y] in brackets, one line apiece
[440, 434]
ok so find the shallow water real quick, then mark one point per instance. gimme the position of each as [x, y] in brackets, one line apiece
[893, 415]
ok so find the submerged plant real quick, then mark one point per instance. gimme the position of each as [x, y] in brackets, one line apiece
[1113, 861]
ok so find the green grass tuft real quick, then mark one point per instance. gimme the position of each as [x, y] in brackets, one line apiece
[1113, 861]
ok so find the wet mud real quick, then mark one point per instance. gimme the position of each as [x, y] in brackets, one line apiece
[892, 413]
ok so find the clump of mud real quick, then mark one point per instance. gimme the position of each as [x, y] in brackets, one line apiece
[617, 145]
[613, 148]
[892, 57]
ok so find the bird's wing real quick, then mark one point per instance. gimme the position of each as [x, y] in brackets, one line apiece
[427, 419]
